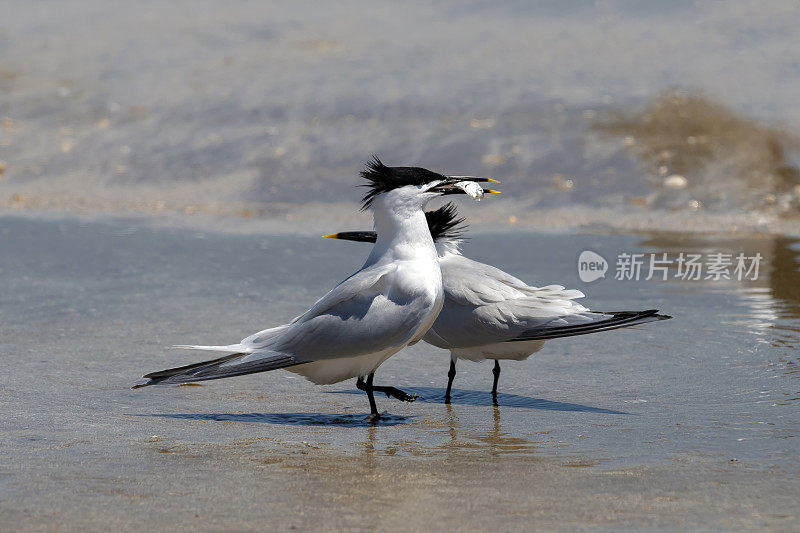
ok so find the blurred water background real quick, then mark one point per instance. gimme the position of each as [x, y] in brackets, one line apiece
[600, 111]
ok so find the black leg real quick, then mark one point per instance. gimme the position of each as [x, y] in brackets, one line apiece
[451, 375]
[496, 372]
[394, 392]
[366, 386]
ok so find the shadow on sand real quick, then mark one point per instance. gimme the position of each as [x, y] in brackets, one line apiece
[475, 397]
[426, 395]
[292, 419]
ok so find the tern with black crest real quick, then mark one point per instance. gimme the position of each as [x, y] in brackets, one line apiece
[389, 303]
[489, 314]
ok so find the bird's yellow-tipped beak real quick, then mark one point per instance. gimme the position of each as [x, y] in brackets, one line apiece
[491, 191]
[476, 179]
[358, 236]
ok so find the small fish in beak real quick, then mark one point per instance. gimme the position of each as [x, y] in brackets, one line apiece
[472, 189]
[465, 185]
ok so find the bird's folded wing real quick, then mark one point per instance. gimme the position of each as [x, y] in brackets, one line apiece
[470, 282]
[472, 325]
[360, 282]
[363, 315]
[320, 331]
[530, 312]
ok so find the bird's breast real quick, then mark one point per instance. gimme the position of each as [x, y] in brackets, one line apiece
[420, 278]
[421, 283]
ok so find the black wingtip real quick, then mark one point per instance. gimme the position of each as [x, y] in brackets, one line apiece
[649, 313]
[620, 319]
[154, 378]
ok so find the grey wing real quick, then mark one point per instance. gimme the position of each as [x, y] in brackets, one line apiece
[363, 315]
[484, 305]
[470, 282]
[359, 282]
[362, 282]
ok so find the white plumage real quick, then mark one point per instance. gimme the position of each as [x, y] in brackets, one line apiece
[490, 314]
[390, 302]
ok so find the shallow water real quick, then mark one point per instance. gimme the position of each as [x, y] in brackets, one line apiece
[87, 307]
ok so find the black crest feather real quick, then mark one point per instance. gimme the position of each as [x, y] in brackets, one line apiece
[444, 223]
[381, 179]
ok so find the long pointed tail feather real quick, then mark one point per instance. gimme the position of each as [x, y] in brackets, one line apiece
[222, 367]
[619, 319]
[239, 348]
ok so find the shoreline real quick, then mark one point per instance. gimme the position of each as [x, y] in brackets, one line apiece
[510, 216]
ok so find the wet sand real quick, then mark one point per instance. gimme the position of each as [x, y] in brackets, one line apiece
[691, 422]
[248, 487]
